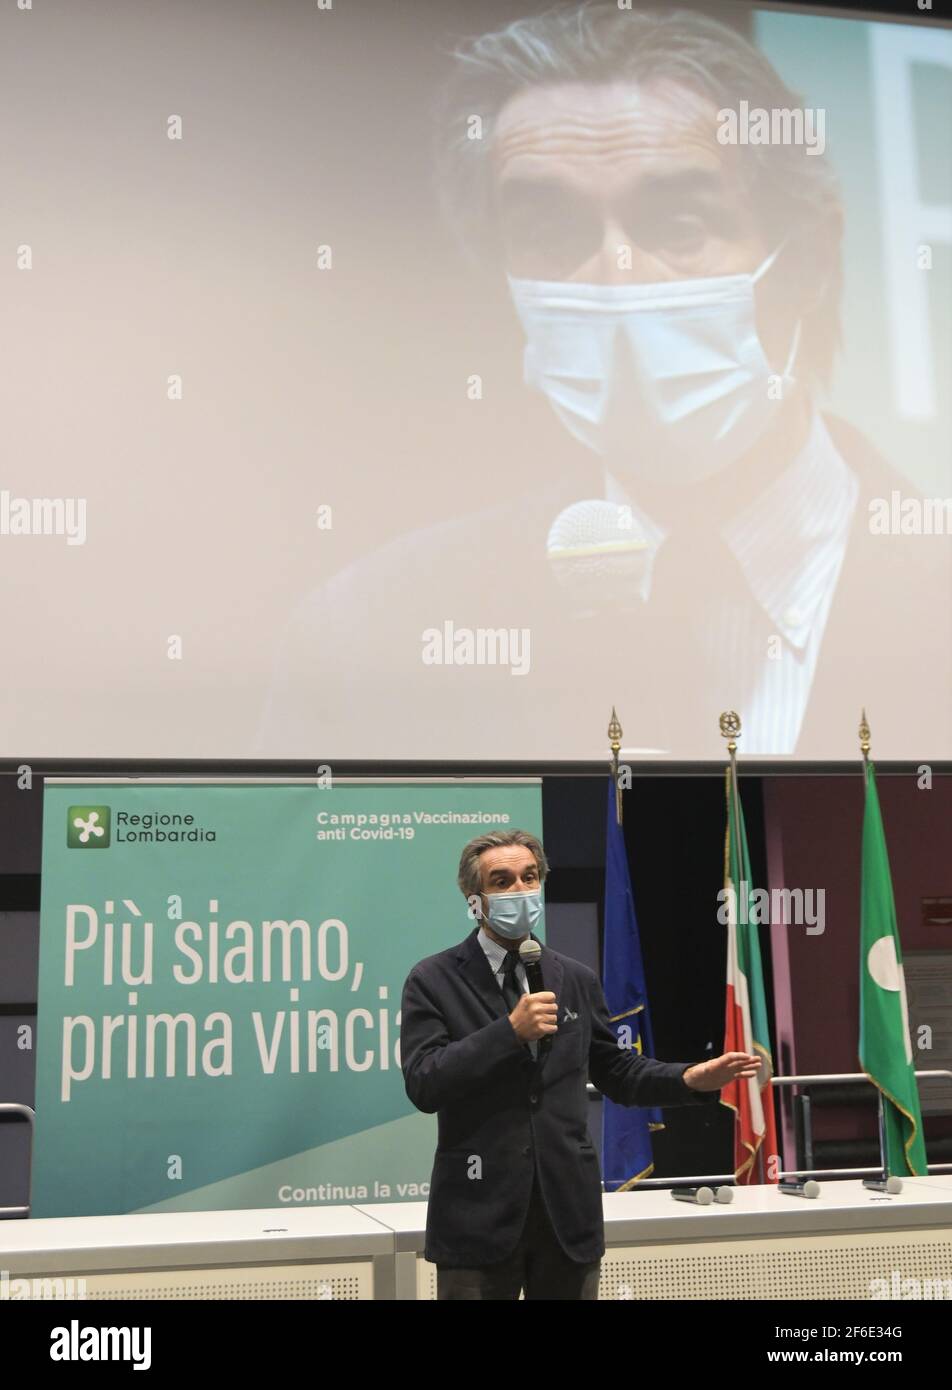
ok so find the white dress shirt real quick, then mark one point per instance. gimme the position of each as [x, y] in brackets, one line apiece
[496, 956]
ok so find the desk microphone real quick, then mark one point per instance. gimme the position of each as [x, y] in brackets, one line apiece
[800, 1187]
[703, 1195]
[892, 1184]
[530, 953]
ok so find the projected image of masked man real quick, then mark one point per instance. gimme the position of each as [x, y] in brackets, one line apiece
[678, 294]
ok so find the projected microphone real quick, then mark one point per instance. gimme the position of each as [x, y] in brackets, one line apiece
[598, 554]
[530, 953]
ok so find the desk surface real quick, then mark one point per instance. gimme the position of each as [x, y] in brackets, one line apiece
[653, 1215]
[288, 1235]
[150, 1240]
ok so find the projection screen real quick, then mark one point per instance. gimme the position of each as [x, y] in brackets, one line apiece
[421, 380]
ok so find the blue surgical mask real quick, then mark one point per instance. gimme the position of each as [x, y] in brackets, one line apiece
[514, 914]
[670, 379]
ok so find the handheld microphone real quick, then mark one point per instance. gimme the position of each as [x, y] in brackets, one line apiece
[530, 953]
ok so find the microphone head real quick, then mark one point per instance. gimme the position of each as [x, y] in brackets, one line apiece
[704, 1197]
[724, 1194]
[893, 1184]
[530, 951]
[811, 1188]
[598, 554]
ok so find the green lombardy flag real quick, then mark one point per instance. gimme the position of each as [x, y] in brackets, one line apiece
[885, 1050]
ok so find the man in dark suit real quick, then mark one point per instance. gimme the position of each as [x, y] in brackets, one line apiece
[515, 1193]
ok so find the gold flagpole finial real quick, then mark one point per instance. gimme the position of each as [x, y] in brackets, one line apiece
[614, 735]
[864, 737]
[729, 723]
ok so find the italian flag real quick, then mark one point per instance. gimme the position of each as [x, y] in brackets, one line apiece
[885, 1051]
[756, 1157]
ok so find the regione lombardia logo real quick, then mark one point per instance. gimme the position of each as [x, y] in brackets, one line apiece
[87, 827]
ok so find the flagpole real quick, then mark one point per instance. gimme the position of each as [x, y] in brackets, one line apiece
[730, 727]
[877, 1184]
[864, 746]
[615, 735]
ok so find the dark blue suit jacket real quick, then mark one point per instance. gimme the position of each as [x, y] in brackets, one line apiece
[500, 1112]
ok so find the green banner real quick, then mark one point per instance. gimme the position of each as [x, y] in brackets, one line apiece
[220, 977]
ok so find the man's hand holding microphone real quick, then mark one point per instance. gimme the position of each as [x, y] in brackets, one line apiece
[535, 1016]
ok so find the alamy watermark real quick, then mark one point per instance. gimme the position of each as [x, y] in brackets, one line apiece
[477, 646]
[15, 1289]
[911, 1289]
[910, 516]
[779, 126]
[43, 516]
[785, 907]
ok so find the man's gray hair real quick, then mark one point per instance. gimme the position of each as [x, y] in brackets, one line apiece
[793, 194]
[468, 877]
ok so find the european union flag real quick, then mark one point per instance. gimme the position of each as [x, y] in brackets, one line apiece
[626, 1130]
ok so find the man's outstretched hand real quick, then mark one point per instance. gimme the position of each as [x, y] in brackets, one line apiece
[721, 1071]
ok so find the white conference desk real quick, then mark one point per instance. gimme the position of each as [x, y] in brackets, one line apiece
[284, 1252]
[764, 1245]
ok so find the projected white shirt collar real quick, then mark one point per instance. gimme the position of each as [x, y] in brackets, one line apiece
[789, 542]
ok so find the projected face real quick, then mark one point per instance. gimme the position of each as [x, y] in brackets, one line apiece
[585, 170]
[618, 206]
